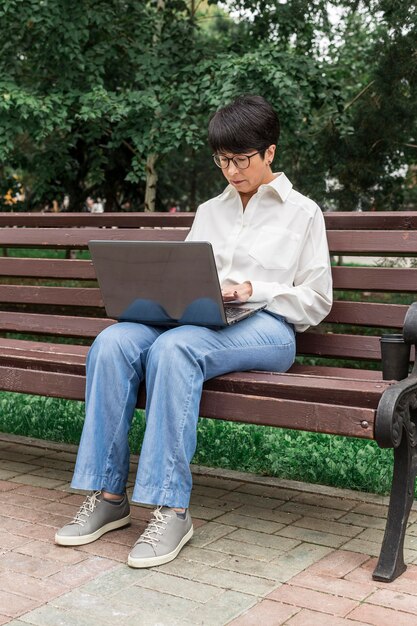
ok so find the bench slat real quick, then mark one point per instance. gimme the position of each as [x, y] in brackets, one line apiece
[340, 391]
[71, 269]
[368, 314]
[341, 242]
[56, 238]
[375, 278]
[339, 346]
[74, 355]
[380, 220]
[326, 418]
[108, 220]
[335, 220]
[383, 243]
[61, 296]
[60, 325]
[291, 386]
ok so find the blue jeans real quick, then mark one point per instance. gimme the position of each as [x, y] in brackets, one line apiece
[174, 364]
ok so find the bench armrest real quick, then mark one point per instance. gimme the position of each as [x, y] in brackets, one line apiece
[410, 331]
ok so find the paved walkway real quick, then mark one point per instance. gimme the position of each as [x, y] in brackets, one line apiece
[264, 551]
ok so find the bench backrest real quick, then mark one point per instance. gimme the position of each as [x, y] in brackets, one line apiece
[58, 298]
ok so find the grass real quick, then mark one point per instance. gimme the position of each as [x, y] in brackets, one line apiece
[310, 457]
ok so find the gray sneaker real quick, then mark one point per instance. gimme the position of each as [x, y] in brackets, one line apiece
[95, 517]
[162, 540]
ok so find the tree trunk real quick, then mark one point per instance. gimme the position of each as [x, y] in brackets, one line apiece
[151, 181]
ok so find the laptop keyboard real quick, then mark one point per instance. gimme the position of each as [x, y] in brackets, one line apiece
[232, 311]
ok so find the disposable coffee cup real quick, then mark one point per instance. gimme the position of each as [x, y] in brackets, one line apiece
[395, 355]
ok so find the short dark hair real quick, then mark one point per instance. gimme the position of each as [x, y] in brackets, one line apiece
[249, 122]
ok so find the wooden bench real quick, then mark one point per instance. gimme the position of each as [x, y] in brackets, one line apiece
[39, 306]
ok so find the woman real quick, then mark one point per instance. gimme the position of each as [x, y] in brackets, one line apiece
[270, 245]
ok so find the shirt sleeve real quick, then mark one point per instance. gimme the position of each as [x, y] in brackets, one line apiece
[308, 301]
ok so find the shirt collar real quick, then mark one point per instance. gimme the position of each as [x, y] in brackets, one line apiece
[280, 184]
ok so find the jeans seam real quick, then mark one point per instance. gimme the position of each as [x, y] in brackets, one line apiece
[168, 476]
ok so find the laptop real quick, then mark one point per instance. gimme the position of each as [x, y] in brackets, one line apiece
[164, 284]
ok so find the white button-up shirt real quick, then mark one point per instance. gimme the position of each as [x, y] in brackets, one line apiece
[278, 243]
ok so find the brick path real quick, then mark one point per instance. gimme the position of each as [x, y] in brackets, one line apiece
[264, 551]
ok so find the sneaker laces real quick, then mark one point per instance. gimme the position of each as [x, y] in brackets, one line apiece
[156, 526]
[86, 508]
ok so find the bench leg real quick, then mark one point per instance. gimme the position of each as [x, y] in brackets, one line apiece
[391, 561]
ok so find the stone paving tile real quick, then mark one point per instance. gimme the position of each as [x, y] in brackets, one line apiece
[309, 510]
[48, 615]
[215, 481]
[313, 536]
[255, 500]
[153, 604]
[21, 457]
[277, 542]
[79, 573]
[210, 492]
[13, 605]
[221, 609]
[242, 548]
[23, 564]
[4, 619]
[299, 559]
[37, 481]
[373, 549]
[15, 498]
[336, 586]
[380, 616]
[335, 528]
[192, 590]
[376, 536]
[103, 610]
[117, 579]
[41, 492]
[210, 532]
[7, 474]
[329, 502]
[366, 521]
[115, 551]
[250, 523]
[51, 472]
[237, 581]
[270, 491]
[42, 590]
[61, 454]
[274, 515]
[202, 555]
[183, 568]
[58, 463]
[338, 563]
[220, 504]
[312, 618]
[5, 485]
[51, 552]
[394, 600]
[8, 541]
[27, 529]
[260, 569]
[316, 600]
[16, 466]
[266, 612]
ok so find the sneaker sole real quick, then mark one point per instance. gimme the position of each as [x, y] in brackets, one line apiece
[83, 539]
[160, 560]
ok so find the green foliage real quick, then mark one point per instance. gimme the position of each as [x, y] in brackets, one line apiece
[89, 90]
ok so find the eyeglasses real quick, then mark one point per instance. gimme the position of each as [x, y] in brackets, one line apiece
[242, 161]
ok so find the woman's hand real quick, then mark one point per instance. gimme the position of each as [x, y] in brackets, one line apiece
[241, 292]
